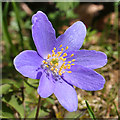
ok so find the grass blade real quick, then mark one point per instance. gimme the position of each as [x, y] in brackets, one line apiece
[18, 22]
[91, 113]
[116, 110]
[6, 34]
[0, 20]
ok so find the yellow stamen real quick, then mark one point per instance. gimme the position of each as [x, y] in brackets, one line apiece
[61, 49]
[56, 59]
[68, 67]
[69, 71]
[59, 53]
[65, 67]
[66, 48]
[72, 64]
[60, 73]
[48, 56]
[60, 68]
[65, 54]
[56, 69]
[52, 68]
[69, 61]
[60, 46]
[53, 59]
[64, 59]
[63, 72]
[72, 55]
[55, 55]
[73, 60]
[51, 63]
[47, 66]
[54, 48]
[56, 64]
[43, 61]
[61, 58]
[53, 51]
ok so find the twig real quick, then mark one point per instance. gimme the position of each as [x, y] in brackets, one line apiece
[26, 8]
[23, 99]
[38, 107]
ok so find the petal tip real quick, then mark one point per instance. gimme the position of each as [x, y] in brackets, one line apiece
[39, 16]
[40, 93]
[83, 25]
[101, 85]
[73, 109]
[105, 58]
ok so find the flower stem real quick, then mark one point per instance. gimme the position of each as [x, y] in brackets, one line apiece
[38, 106]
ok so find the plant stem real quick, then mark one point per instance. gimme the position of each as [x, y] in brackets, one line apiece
[38, 106]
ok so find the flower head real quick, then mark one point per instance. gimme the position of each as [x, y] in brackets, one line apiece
[59, 64]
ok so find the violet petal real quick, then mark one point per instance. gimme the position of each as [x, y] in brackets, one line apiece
[28, 64]
[46, 86]
[66, 95]
[84, 78]
[73, 36]
[43, 34]
[88, 58]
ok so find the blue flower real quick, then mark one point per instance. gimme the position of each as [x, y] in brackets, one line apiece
[59, 64]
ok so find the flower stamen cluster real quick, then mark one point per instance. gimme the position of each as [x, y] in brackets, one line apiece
[56, 61]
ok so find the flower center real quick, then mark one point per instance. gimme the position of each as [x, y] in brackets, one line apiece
[56, 62]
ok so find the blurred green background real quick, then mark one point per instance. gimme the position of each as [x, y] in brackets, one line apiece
[19, 94]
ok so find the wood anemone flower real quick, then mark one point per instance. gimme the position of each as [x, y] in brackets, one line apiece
[59, 64]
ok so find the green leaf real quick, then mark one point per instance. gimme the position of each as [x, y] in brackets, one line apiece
[70, 14]
[67, 8]
[50, 100]
[42, 113]
[76, 114]
[34, 82]
[91, 113]
[6, 111]
[13, 82]
[14, 102]
[4, 88]
[31, 85]
[64, 6]
[47, 102]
